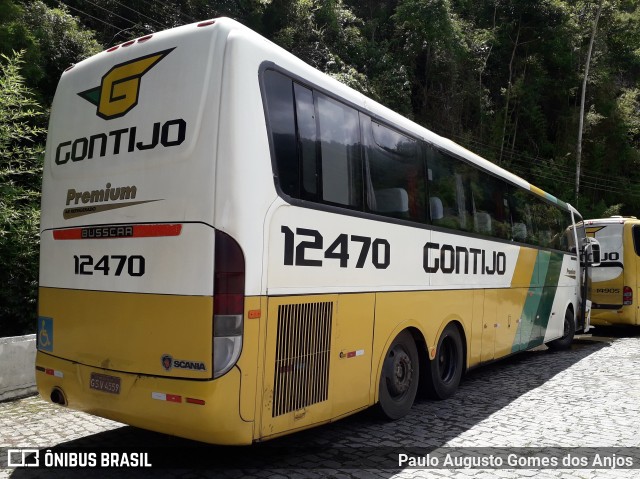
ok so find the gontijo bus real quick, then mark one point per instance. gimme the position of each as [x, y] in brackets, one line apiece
[236, 246]
[614, 287]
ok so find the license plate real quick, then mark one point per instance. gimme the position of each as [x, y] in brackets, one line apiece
[105, 383]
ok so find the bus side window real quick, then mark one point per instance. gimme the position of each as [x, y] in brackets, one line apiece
[449, 192]
[491, 212]
[280, 117]
[523, 229]
[394, 172]
[548, 223]
[567, 240]
[341, 170]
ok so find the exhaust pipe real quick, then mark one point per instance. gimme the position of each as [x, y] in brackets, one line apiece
[58, 397]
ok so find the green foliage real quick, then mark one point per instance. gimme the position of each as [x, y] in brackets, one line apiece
[21, 151]
[325, 34]
[59, 40]
[51, 39]
[613, 210]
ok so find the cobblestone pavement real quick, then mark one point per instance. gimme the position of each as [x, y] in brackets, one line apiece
[587, 397]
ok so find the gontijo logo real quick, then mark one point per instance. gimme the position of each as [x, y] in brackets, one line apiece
[119, 89]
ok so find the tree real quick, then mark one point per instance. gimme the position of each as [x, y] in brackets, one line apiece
[582, 98]
[21, 150]
[51, 39]
[431, 42]
[325, 34]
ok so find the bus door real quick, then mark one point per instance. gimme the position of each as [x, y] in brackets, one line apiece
[589, 258]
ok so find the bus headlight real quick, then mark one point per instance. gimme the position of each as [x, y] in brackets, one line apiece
[227, 342]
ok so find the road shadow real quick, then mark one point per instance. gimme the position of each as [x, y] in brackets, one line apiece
[614, 332]
[361, 445]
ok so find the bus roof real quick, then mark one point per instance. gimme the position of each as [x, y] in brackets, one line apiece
[616, 219]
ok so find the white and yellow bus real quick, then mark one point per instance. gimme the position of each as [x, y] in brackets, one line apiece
[614, 287]
[236, 246]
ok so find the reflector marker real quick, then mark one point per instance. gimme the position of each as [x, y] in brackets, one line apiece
[118, 231]
[50, 372]
[166, 397]
[200, 402]
[352, 354]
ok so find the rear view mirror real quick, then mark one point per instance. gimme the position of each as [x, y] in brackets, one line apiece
[592, 252]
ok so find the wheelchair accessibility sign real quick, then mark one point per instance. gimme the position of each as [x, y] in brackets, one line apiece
[45, 334]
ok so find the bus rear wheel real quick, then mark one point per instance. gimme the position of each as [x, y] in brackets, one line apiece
[445, 370]
[399, 378]
[567, 336]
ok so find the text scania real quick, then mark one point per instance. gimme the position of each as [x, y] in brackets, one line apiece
[194, 365]
[169, 133]
[461, 260]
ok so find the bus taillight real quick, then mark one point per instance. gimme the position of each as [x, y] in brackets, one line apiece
[627, 296]
[228, 303]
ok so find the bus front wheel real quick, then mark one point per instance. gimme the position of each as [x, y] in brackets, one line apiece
[569, 331]
[399, 378]
[445, 370]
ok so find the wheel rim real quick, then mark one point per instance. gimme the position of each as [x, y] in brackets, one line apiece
[447, 360]
[400, 374]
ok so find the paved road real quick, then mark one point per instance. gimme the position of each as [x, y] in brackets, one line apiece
[588, 397]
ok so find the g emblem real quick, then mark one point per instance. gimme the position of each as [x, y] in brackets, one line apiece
[118, 92]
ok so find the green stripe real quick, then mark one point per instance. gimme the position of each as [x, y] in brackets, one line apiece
[549, 291]
[527, 327]
[536, 311]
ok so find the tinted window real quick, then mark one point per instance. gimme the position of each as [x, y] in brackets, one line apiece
[522, 215]
[450, 201]
[318, 151]
[307, 146]
[568, 240]
[540, 223]
[394, 173]
[636, 239]
[341, 170]
[549, 224]
[280, 113]
[490, 205]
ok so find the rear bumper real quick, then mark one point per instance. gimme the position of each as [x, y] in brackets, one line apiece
[218, 421]
[609, 317]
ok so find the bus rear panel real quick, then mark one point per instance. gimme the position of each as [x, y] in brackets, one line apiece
[129, 326]
[614, 287]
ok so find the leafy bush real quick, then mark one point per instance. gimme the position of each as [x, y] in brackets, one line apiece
[21, 155]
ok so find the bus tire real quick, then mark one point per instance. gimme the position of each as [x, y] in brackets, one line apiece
[445, 370]
[565, 341]
[399, 377]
